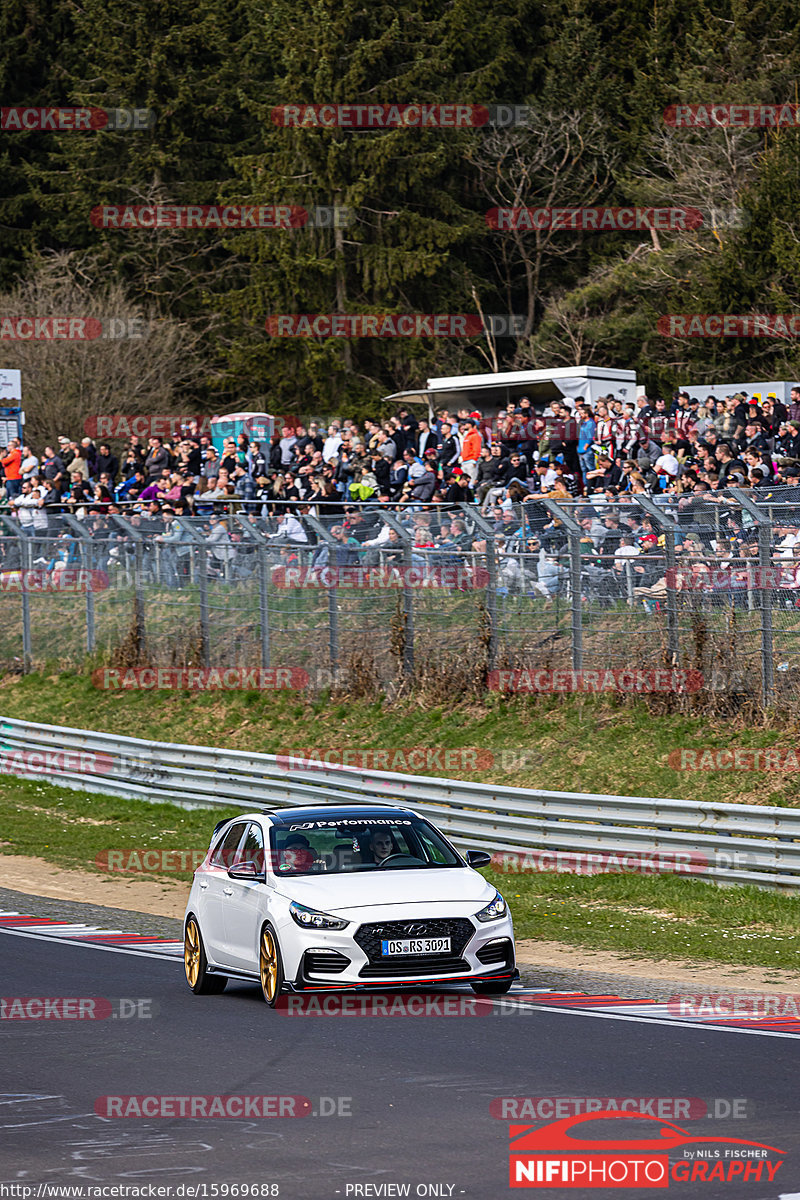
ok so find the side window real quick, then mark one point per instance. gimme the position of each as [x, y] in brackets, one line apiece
[432, 851]
[225, 854]
[403, 846]
[253, 846]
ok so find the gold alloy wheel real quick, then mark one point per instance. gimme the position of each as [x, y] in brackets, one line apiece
[268, 961]
[191, 953]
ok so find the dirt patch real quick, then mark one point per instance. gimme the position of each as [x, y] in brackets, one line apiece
[703, 975]
[640, 911]
[62, 816]
[160, 897]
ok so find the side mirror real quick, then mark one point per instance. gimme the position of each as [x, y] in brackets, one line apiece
[246, 871]
[478, 858]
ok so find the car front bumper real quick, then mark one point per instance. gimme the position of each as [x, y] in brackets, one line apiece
[335, 959]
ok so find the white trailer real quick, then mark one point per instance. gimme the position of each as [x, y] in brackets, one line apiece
[758, 389]
[490, 393]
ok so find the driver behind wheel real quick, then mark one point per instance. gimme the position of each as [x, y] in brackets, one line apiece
[381, 845]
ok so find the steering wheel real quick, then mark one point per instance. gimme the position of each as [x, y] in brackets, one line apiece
[398, 854]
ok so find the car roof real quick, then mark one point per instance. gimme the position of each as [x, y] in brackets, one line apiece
[338, 812]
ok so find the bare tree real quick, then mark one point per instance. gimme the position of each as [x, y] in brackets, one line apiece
[703, 169]
[613, 308]
[127, 362]
[558, 160]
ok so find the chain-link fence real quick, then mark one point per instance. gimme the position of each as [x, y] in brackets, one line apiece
[706, 583]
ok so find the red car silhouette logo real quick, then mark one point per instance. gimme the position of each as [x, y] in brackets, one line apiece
[557, 1137]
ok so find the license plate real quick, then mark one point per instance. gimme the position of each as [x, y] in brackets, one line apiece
[416, 946]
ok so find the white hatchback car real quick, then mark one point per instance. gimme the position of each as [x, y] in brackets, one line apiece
[343, 896]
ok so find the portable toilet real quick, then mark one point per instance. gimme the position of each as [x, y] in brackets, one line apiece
[11, 422]
[259, 427]
[12, 417]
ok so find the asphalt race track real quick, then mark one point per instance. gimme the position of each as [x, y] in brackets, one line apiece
[410, 1097]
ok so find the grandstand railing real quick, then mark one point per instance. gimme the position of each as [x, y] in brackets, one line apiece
[708, 582]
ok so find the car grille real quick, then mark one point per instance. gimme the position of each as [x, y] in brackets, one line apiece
[369, 938]
[495, 952]
[325, 963]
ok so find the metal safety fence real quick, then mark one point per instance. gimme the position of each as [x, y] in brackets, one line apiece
[524, 829]
[707, 583]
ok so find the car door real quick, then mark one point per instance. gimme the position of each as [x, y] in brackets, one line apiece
[215, 887]
[245, 904]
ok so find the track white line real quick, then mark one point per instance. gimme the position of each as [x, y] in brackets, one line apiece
[69, 930]
[609, 1016]
[172, 957]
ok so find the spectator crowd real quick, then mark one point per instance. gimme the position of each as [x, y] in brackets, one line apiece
[683, 454]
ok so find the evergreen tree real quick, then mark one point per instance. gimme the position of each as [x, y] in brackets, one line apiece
[415, 219]
[33, 73]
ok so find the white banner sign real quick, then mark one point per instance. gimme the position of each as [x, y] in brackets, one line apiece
[10, 388]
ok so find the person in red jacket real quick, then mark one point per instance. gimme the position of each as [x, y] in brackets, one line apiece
[471, 446]
[10, 463]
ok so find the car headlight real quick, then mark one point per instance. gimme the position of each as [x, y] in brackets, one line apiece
[494, 909]
[309, 918]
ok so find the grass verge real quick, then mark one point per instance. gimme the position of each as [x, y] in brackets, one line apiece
[562, 743]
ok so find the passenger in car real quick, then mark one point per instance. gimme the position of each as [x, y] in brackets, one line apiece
[296, 854]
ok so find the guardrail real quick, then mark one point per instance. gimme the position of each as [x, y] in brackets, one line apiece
[729, 843]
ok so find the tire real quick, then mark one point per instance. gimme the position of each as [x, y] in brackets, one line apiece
[491, 987]
[270, 966]
[195, 963]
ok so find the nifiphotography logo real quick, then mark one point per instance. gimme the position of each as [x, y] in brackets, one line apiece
[573, 1153]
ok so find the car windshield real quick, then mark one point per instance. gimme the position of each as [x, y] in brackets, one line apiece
[344, 844]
